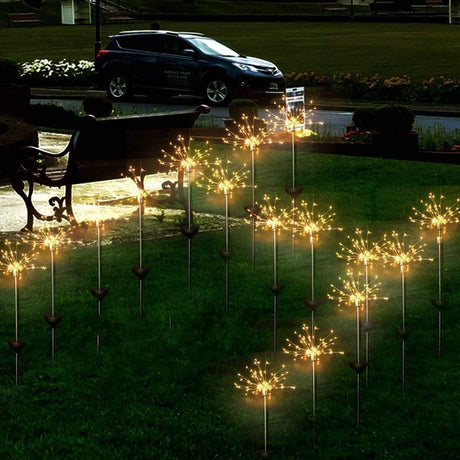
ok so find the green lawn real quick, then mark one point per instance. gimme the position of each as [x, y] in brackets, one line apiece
[160, 392]
[417, 50]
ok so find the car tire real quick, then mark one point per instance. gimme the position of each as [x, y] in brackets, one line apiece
[216, 91]
[118, 87]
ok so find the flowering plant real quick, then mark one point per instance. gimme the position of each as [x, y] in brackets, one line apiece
[376, 87]
[355, 135]
[45, 72]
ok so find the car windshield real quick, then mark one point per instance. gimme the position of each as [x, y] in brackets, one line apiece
[210, 46]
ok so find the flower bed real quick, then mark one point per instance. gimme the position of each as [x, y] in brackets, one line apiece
[375, 87]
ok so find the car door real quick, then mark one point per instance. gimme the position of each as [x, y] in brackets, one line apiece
[147, 66]
[141, 55]
[179, 66]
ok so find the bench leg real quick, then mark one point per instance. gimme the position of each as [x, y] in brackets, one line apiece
[68, 205]
[18, 186]
[62, 207]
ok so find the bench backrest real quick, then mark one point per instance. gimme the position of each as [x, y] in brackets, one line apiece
[106, 147]
[22, 16]
[115, 14]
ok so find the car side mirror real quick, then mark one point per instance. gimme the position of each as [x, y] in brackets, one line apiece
[189, 52]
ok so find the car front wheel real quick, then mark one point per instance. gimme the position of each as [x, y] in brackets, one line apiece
[118, 87]
[217, 91]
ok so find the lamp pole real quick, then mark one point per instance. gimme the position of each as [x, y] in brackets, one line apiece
[97, 22]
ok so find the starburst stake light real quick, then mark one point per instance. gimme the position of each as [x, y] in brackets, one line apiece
[310, 223]
[141, 270]
[262, 382]
[353, 293]
[306, 348]
[52, 238]
[270, 217]
[222, 180]
[396, 252]
[186, 160]
[292, 120]
[250, 137]
[437, 216]
[99, 292]
[361, 251]
[13, 262]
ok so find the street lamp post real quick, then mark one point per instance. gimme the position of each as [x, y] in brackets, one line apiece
[97, 22]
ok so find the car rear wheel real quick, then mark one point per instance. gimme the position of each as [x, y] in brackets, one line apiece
[118, 87]
[217, 91]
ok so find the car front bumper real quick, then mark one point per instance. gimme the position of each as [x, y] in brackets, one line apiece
[261, 87]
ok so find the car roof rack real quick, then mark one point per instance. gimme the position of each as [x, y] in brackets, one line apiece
[147, 31]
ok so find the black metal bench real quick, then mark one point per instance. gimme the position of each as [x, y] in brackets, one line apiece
[333, 7]
[437, 5]
[22, 19]
[103, 149]
[116, 17]
[393, 6]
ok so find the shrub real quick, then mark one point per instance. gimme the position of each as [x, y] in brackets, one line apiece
[14, 133]
[349, 85]
[44, 72]
[440, 89]
[14, 129]
[306, 79]
[97, 105]
[436, 137]
[394, 119]
[52, 116]
[399, 89]
[3, 128]
[9, 72]
[240, 107]
[365, 118]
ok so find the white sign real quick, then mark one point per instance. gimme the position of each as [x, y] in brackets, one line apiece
[295, 105]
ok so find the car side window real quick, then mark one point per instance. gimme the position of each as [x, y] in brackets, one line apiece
[173, 45]
[140, 43]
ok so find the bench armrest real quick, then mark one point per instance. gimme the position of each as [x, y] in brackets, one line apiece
[37, 151]
[32, 160]
[203, 109]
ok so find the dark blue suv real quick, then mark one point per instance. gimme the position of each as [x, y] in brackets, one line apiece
[183, 63]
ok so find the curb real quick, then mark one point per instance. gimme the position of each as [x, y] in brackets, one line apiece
[330, 104]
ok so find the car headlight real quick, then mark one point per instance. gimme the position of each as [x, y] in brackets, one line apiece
[245, 67]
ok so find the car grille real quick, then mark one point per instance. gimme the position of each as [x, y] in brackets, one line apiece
[268, 70]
